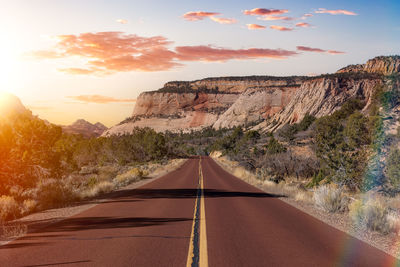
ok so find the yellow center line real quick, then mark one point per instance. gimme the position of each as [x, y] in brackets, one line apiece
[203, 261]
[197, 254]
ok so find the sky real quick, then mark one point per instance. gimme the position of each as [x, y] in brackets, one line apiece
[73, 59]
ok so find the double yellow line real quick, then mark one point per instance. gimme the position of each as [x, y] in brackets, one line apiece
[197, 255]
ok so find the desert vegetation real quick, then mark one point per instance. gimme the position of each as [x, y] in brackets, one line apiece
[347, 162]
[41, 167]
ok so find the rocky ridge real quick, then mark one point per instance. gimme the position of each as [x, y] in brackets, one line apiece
[264, 101]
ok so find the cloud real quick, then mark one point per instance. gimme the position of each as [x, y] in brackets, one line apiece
[335, 12]
[80, 71]
[38, 54]
[198, 15]
[255, 27]
[318, 50]
[307, 15]
[100, 99]
[265, 11]
[334, 52]
[303, 25]
[210, 53]
[105, 53]
[109, 52]
[280, 28]
[269, 17]
[223, 20]
[310, 49]
[122, 21]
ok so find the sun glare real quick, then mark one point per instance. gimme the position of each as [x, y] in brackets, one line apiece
[8, 64]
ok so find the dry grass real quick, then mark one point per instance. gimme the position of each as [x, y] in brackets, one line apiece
[133, 175]
[9, 208]
[97, 189]
[330, 199]
[375, 214]
[304, 196]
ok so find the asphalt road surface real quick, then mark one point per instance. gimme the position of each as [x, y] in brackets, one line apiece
[197, 215]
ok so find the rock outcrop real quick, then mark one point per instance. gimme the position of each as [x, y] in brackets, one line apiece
[381, 65]
[85, 128]
[256, 104]
[186, 106]
[320, 97]
[265, 101]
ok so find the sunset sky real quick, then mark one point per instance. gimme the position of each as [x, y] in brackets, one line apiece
[91, 59]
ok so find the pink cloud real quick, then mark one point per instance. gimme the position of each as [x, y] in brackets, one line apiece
[270, 17]
[198, 15]
[310, 49]
[223, 20]
[318, 50]
[106, 53]
[255, 27]
[100, 99]
[303, 25]
[265, 11]
[334, 52]
[335, 12]
[307, 15]
[209, 53]
[280, 28]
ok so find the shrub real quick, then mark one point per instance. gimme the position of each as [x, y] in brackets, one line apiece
[330, 199]
[393, 168]
[54, 193]
[28, 206]
[373, 214]
[342, 141]
[9, 208]
[274, 147]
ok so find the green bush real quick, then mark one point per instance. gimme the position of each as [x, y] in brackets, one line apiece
[393, 168]
[342, 142]
[274, 147]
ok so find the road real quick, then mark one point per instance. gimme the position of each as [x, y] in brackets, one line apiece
[196, 215]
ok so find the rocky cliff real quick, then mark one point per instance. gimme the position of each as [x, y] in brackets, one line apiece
[381, 65]
[183, 106]
[322, 96]
[265, 101]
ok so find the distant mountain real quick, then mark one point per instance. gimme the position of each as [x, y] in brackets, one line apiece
[10, 104]
[85, 128]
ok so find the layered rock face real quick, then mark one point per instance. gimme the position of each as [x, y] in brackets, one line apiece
[175, 112]
[265, 101]
[380, 65]
[256, 104]
[217, 102]
[320, 97]
[236, 84]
